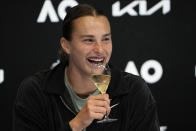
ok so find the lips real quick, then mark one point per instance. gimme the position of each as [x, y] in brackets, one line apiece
[96, 60]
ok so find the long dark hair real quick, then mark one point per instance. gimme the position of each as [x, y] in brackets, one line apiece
[72, 14]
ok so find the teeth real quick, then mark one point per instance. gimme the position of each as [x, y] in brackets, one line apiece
[97, 60]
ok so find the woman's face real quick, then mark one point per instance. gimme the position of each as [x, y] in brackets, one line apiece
[90, 45]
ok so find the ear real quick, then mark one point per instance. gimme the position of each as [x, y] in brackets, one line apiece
[65, 45]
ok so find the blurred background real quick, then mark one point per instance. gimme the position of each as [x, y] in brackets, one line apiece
[154, 39]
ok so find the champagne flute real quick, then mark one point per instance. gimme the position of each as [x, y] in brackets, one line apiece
[101, 81]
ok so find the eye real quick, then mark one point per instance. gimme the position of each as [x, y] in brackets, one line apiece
[88, 40]
[106, 39]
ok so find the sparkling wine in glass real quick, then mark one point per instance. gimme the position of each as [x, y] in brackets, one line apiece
[102, 81]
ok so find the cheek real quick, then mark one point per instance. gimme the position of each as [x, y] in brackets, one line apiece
[80, 52]
[109, 49]
[109, 52]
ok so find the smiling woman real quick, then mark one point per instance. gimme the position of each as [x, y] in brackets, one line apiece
[65, 98]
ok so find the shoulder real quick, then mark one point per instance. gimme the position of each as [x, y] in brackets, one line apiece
[128, 80]
[134, 81]
[32, 85]
[131, 78]
[138, 89]
[134, 86]
[31, 101]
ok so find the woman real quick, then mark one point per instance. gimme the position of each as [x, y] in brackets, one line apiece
[65, 98]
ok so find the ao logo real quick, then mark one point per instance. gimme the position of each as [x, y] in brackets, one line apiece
[145, 70]
[142, 4]
[1, 76]
[49, 11]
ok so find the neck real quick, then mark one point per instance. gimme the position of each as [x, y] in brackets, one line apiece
[80, 83]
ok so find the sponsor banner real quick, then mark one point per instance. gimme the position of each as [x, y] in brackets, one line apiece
[55, 15]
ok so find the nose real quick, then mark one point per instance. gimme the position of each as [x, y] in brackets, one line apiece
[98, 47]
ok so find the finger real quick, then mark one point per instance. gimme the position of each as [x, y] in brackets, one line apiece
[108, 111]
[101, 103]
[97, 97]
[103, 97]
[100, 96]
[98, 116]
[106, 96]
[98, 109]
[98, 106]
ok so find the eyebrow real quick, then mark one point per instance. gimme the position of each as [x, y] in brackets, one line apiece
[109, 34]
[90, 36]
